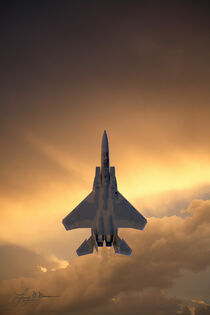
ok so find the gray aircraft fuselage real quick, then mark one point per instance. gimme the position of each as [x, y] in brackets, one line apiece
[104, 229]
[104, 210]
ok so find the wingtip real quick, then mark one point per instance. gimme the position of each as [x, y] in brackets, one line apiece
[66, 227]
[145, 223]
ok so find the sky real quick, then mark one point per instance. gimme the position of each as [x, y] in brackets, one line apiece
[141, 71]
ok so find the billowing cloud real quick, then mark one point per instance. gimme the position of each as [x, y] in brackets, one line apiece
[172, 202]
[17, 262]
[202, 310]
[167, 246]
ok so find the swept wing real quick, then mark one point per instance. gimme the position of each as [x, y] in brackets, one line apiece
[126, 216]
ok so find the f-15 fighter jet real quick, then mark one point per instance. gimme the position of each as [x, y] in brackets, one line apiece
[104, 210]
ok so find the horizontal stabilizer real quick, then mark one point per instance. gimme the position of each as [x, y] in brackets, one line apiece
[87, 247]
[121, 247]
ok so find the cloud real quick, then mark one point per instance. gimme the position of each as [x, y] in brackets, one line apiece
[157, 84]
[202, 310]
[172, 202]
[17, 262]
[191, 285]
[167, 246]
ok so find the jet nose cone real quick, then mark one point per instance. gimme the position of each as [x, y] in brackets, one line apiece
[105, 135]
[105, 145]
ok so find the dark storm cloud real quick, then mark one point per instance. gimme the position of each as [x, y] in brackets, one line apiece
[167, 246]
[73, 69]
[84, 48]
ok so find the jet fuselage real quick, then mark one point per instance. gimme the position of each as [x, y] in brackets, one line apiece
[104, 210]
[104, 229]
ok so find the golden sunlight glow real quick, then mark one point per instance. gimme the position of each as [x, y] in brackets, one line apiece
[143, 177]
[156, 180]
[138, 175]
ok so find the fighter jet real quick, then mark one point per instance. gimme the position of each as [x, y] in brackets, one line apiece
[104, 211]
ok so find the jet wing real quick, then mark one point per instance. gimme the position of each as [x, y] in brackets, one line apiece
[126, 216]
[83, 215]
